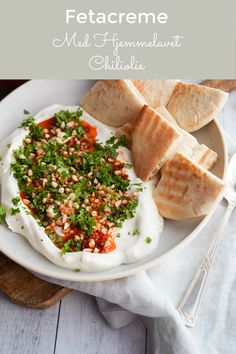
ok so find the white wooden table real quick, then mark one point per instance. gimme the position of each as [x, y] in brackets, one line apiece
[73, 326]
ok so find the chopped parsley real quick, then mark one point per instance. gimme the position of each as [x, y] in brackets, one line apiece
[128, 165]
[136, 232]
[138, 186]
[116, 142]
[2, 213]
[15, 211]
[84, 220]
[66, 247]
[15, 201]
[148, 239]
[69, 180]
[28, 121]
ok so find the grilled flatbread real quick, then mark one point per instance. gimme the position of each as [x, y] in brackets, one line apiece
[162, 110]
[154, 141]
[113, 102]
[156, 92]
[204, 156]
[193, 106]
[189, 142]
[188, 145]
[128, 128]
[186, 190]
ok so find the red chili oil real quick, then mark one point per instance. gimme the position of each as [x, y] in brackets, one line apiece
[48, 124]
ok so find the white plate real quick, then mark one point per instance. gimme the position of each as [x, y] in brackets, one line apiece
[38, 94]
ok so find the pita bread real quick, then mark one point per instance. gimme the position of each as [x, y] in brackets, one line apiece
[193, 106]
[166, 114]
[201, 154]
[186, 190]
[127, 131]
[113, 102]
[204, 156]
[156, 92]
[188, 145]
[154, 141]
[189, 142]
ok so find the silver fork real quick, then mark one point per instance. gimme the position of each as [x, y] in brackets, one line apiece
[190, 303]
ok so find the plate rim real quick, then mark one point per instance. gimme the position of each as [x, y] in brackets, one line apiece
[93, 276]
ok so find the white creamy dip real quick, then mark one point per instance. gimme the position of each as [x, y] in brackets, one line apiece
[129, 248]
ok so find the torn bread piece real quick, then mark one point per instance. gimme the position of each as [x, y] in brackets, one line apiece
[156, 92]
[113, 102]
[188, 145]
[193, 106]
[186, 190]
[154, 141]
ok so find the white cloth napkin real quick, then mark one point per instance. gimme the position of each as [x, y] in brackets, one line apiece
[155, 293]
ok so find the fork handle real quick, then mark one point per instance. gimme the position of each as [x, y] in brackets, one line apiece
[190, 303]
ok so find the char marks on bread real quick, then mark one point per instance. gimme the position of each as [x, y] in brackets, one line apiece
[156, 117]
[186, 190]
[188, 145]
[154, 141]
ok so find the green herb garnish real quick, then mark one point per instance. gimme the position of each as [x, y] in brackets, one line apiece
[70, 180]
[83, 220]
[148, 239]
[15, 211]
[136, 232]
[2, 213]
[28, 121]
[15, 201]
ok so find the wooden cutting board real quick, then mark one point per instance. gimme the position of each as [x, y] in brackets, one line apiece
[22, 287]
[225, 85]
